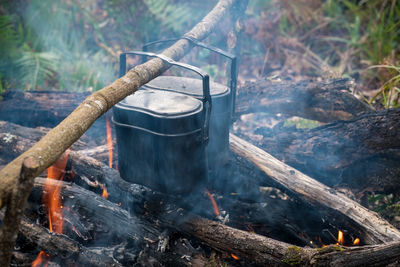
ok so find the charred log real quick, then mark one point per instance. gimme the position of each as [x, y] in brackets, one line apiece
[61, 245]
[38, 108]
[323, 101]
[361, 152]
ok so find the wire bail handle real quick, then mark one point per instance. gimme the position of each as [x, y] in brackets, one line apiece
[230, 56]
[204, 76]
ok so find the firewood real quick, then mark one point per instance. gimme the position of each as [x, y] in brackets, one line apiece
[96, 171]
[324, 101]
[361, 152]
[376, 229]
[115, 220]
[269, 252]
[45, 108]
[256, 248]
[62, 246]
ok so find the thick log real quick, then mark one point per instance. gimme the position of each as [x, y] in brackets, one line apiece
[62, 246]
[116, 220]
[376, 229]
[59, 139]
[38, 108]
[269, 252]
[324, 101]
[361, 152]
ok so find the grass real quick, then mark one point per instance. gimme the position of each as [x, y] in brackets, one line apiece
[335, 38]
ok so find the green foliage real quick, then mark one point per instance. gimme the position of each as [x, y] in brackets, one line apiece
[390, 91]
[71, 45]
[387, 205]
[36, 67]
[173, 16]
[9, 43]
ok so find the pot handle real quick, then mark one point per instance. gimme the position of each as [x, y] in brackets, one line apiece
[230, 56]
[204, 76]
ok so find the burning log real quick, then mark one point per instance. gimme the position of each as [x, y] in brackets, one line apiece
[376, 229]
[62, 246]
[323, 101]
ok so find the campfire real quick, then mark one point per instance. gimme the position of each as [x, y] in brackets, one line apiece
[84, 202]
[248, 208]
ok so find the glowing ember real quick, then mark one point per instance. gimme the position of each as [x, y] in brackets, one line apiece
[41, 260]
[340, 237]
[109, 143]
[214, 204]
[356, 241]
[234, 257]
[52, 197]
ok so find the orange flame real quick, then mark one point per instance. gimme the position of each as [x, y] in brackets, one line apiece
[214, 204]
[234, 257]
[340, 237]
[52, 198]
[41, 260]
[356, 241]
[109, 143]
[105, 193]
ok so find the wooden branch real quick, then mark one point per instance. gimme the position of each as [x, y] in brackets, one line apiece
[15, 209]
[324, 101]
[50, 147]
[376, 229]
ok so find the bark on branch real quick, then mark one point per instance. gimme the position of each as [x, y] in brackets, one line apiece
[50, 147]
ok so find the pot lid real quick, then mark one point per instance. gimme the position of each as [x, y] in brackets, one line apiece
[188, 86]
[161, 103]
[160, 112]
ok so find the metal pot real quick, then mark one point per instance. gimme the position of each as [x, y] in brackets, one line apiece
[223, 99]
[162, 135]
